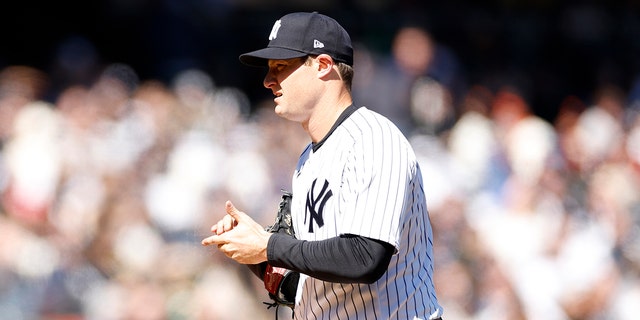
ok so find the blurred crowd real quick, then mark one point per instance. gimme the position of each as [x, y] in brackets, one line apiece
[107, 190]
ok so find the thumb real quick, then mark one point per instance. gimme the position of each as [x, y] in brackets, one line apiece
[236, 214]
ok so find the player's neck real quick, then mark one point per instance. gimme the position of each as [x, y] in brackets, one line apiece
[323, 120]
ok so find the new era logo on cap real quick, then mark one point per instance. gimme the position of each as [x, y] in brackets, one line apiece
[291, 37]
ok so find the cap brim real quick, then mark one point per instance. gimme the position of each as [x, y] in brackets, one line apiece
[260, 57]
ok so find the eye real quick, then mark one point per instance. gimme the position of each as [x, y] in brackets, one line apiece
[277, 66]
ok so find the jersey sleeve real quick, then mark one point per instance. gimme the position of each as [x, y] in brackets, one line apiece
[376, 182]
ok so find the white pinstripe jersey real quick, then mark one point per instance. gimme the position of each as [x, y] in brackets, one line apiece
[365, 180]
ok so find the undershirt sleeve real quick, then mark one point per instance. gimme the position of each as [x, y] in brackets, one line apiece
[344, 259]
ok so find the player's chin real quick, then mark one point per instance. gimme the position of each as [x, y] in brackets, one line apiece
[285, 113]
[280, 110]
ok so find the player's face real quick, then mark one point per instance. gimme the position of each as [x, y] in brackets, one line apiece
[291, 84]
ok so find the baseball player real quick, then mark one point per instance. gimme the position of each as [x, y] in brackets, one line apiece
[362, 247]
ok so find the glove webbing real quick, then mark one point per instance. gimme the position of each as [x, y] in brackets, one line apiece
[282, 224]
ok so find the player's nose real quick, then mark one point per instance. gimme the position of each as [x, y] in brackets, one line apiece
[269, 80]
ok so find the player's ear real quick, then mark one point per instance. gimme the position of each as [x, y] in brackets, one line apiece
[325, 64]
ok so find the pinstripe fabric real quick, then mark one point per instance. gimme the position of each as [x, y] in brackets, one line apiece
[365, 180]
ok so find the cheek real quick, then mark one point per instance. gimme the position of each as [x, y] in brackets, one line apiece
[302, 89]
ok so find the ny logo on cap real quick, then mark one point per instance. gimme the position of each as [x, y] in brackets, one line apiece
[274, 30]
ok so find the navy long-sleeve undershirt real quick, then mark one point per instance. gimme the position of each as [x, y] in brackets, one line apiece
[345, 259]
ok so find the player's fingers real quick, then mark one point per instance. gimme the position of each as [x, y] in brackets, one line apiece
[218, 228]
[215, 239]
[225, 224]
[229, 222]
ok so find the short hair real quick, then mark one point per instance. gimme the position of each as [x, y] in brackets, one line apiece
[344, 70]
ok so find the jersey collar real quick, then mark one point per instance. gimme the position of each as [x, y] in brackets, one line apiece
[343, 116]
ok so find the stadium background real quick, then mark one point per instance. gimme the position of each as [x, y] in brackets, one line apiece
[125, 125]
[548, 48]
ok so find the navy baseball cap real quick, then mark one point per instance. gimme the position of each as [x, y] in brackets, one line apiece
[299, 34]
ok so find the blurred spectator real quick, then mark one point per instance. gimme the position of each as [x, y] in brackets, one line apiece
[385, 83]
[19, 85]
[108, 188]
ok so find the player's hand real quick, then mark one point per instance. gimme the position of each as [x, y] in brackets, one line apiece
[225, 224]
[239, 237]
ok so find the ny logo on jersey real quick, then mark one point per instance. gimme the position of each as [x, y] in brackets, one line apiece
[315, 204]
